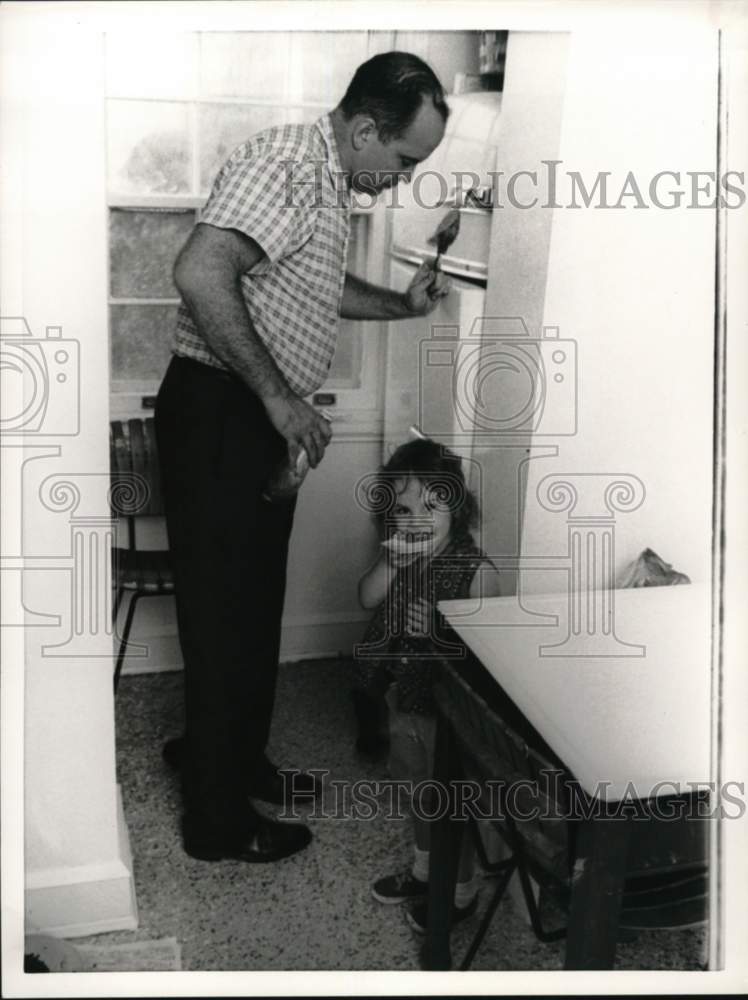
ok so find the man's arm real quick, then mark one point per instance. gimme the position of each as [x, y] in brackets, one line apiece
[362, 300]
[208, 275]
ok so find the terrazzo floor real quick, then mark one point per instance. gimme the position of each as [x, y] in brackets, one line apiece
[313, 911]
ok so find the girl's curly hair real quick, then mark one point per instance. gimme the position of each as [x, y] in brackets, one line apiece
[438, 469]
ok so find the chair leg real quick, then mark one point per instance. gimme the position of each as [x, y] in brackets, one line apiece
[546, 937]
[501, 886]
[515, 862]
[117, 602]
[125, 637]
[490, 867]
[534, 913]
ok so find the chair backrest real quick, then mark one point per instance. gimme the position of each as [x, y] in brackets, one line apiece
[133, 453]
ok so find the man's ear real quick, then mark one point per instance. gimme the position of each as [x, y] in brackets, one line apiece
[364, 129]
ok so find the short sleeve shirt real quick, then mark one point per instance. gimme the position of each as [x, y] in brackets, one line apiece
[285, 188]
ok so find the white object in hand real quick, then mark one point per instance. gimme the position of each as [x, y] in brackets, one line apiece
[401, 544]
[285, 481]
[302, 464]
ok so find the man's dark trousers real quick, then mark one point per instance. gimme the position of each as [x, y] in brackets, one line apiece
[229, 549]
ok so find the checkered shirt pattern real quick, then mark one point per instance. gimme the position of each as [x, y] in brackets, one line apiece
[285, 188]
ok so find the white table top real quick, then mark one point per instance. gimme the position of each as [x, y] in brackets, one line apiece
[633, 722]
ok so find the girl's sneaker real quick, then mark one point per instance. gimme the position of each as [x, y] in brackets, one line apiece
[418, 915]
[399, 888]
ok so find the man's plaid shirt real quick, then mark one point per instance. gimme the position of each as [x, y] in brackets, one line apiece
[285, 188]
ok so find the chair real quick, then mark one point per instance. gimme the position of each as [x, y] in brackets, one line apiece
[136, 493]
[666, 882]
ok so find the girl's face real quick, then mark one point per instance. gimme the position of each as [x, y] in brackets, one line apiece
[418, 513]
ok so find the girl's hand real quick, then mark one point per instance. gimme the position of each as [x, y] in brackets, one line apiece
[418, 617]
[397, 558]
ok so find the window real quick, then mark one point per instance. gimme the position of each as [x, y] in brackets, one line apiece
[177, 105]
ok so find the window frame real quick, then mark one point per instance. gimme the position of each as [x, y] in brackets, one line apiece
[356, 405]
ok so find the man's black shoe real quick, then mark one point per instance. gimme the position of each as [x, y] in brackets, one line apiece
[270, 785]
[173, 752]
[269, 841]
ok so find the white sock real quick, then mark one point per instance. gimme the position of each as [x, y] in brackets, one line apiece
[464, 893]
[420, 864]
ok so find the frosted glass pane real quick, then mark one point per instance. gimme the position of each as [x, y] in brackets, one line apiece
[223, 127]
[323, 63]
[249, 64]
[148, 144]
[141, 338]
[142, 249]
[151, 65]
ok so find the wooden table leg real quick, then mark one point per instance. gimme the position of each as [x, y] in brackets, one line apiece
[596, 893]
[443, 857]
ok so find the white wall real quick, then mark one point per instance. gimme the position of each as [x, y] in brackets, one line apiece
[333, 543]
[530, 124]
[78, 876]
[635, 289]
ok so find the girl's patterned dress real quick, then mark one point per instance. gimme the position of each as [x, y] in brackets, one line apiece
[387, 653]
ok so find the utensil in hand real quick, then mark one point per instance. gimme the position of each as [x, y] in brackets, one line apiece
[446, 233]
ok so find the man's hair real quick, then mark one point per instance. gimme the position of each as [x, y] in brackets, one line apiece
[391, 88]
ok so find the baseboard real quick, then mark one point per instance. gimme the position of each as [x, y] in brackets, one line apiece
[311, 639]
[85, 899]
[322, 637]
[164, 654]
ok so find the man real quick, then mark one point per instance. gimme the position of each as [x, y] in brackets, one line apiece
[263, 283]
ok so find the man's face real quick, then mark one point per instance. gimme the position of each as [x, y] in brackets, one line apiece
[381, 165]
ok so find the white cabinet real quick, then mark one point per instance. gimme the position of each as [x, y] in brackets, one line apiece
[423, 365]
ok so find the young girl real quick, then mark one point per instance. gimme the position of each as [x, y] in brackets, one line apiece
[427, 555]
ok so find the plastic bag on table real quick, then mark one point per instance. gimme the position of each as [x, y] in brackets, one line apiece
[649, 570]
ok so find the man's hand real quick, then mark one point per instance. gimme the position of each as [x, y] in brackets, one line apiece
[300, 424]
[426, 289]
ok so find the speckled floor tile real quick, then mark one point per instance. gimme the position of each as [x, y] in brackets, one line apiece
[313, 911]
